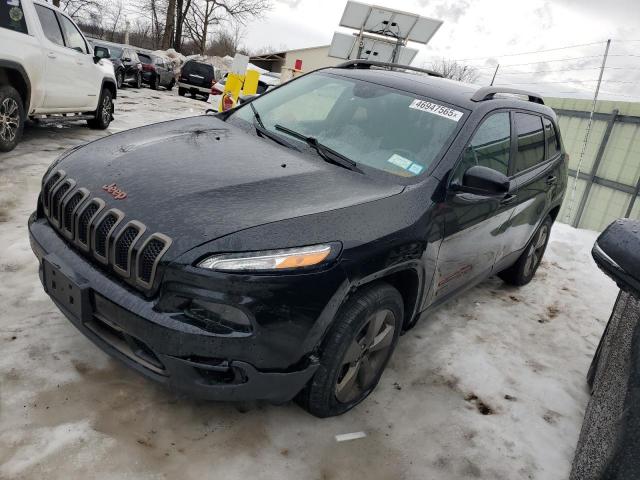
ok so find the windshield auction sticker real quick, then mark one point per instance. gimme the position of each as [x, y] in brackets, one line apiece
[436, 109]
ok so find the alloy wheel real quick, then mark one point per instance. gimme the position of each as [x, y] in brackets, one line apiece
[107, 106]
[534, 255]
[9, 119]
[366, 356]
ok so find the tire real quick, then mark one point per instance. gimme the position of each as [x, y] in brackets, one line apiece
[523, 271]
[171, 84]
[104, 113]
[12, 118]
[119, 79]
[182, 92]
[349, 367]
[138, 83]
[154, 83]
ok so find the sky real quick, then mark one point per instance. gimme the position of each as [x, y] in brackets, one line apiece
[483, 33]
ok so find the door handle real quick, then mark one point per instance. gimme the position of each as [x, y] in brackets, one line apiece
[552, 180]
[51, 55]
[508, 198]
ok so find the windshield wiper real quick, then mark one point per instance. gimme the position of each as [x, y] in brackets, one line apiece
[262, 131]
[326, 153]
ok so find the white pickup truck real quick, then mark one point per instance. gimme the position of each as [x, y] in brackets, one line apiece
[47, 68]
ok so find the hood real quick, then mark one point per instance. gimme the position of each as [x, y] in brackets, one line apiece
[199, 178]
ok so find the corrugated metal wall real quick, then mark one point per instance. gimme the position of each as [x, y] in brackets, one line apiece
[609, 183]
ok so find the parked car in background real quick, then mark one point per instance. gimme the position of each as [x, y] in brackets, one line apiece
[126, 64]
[196, 78]
[299, 234]
[47, 68]
[156, 71]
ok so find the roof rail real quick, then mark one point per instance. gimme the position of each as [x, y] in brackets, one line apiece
[488, 93]
[366, 64]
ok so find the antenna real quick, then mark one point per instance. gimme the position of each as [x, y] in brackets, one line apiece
[382, 35]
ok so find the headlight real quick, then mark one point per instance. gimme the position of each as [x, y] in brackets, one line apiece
[286, 259]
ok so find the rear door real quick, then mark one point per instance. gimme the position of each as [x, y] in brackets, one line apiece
[475, 225]
[87, 77]
[535, 170]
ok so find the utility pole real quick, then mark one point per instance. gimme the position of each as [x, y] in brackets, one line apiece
[586, 137]
[494, 74]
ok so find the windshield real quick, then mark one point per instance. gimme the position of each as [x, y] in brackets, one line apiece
[380, 127]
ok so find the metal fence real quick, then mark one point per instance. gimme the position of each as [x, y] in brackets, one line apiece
[608, 185]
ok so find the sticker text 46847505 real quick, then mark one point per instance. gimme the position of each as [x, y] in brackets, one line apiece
[436, 109]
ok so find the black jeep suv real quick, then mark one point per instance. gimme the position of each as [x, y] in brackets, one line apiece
[299, 234]
[126, 64]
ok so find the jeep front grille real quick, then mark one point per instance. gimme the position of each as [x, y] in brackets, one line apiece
[102, 233]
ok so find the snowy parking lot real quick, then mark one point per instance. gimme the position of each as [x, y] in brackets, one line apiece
[492, 386]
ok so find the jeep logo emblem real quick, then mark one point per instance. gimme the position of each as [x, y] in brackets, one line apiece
[114, 191]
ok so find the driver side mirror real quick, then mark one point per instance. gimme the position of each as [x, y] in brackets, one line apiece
[100, 52]
[485, 180]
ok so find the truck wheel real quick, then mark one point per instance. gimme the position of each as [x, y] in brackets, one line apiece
[523, 271]
[104, 113]
[11, 118]
[182, 92]
[355, 351]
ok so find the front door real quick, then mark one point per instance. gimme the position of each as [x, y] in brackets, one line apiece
[475, 224]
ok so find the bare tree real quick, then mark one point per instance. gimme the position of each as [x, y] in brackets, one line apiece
[455, 71]
[167, 38]
[204, 14]
[79, 9]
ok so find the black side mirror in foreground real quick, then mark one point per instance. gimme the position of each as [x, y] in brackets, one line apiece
[485, 180]
[101, 52]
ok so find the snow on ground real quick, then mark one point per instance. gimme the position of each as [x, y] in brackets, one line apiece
[491, 386]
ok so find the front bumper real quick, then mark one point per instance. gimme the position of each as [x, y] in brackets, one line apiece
[131, 328]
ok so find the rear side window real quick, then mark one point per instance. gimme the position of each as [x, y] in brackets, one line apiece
[553, 145]
[50, 24]
[489, 147]
[72, 35]
[12, 16]
[202, 69]
[530, 141]
[146, 59]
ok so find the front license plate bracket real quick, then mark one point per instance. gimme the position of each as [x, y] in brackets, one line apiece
[66, 288]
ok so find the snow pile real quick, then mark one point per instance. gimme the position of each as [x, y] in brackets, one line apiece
[490, 386]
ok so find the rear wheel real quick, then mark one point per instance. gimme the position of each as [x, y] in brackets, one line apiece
[155, 82]
[138, 82]
[523, 271]
[182, 92]
[356, 351]
[119, 79]
[171, 84]
[104, 113]
[11, 118]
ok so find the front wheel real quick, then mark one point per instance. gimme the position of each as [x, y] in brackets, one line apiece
[355, 351]
[11, 118]
[104, 113]
[523, 271]
[171, 84]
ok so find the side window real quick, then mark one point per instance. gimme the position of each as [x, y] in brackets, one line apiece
[489, 147]
[530, 141]
[72, 35]
[12, 16]
[553, 145]
[49, 24]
